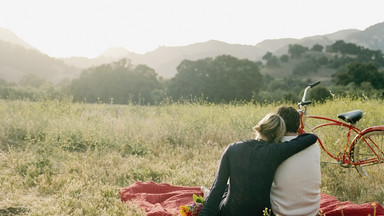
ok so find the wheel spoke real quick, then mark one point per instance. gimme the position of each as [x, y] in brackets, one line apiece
[368, 150]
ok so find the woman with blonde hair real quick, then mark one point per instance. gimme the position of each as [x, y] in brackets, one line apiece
[271, 128]
[249, 167]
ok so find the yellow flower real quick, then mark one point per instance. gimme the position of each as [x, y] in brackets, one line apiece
[184, 210]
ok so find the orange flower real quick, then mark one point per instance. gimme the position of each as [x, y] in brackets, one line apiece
[184, 210]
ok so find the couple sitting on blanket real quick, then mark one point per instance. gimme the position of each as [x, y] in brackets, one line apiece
[278, 171]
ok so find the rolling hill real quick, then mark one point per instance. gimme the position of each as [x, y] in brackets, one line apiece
[165, 59]
[18, 58]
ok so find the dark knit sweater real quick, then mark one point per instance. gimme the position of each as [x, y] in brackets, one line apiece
[250, 166]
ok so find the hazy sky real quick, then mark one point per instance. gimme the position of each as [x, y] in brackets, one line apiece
[63, 28]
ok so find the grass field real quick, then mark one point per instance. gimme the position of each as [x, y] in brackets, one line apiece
[59, 158]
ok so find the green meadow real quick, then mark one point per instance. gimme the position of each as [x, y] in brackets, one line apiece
[63, 158]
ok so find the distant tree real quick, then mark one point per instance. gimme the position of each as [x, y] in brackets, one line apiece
[259, 63]
[222, 79]
[317, 47]
[358, 73]
[366, 86]
[191, 78]
[346, 48]
[296, 50]
[375, 57]
[287, 89]
[272, 61]
[329, 49]
[320, 94]
[305, 67]
[32, 80]
[3, 82]
[338, 62]
[267, 56]
[267, 79]
[284, 58]
[119, 82]
[352, 52]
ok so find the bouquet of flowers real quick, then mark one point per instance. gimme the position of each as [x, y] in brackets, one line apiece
[194, 209]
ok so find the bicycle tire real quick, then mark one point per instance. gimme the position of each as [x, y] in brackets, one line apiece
[369, 148]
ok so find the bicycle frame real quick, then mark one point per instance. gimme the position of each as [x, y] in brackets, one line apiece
[346, 156]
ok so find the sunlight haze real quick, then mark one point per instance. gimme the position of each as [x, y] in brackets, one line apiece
[88, 28]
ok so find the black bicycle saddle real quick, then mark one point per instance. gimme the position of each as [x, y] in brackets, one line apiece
[352, 116]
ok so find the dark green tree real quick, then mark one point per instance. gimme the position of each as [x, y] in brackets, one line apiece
[296, 50]
[267, 56]
[191, 78]
[319, 93]
[287, 89]
[317, 47]
[119, 82]
[32, 80]
[222, 79]
[345, 48]
[272, 61]
[358, 73]
[284, 58]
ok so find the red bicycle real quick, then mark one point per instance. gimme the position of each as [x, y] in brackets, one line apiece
[361, 148]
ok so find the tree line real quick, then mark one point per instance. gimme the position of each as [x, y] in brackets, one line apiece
[219, 80]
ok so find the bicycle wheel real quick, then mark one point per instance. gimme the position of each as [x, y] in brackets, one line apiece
[369, 149]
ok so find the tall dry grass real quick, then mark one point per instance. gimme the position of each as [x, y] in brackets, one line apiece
[59, 158]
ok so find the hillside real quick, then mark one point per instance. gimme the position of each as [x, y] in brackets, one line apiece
[165, 59]
[18, 58]
[285, 69]
[372, 37]
[10, 37]
[17, 61]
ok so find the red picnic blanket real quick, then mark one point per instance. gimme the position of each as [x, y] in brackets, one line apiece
[162, 199]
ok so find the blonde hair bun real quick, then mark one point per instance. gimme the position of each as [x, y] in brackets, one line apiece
[272, 127]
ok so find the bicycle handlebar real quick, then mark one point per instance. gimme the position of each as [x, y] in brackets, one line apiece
[303, 102]
[314, 84]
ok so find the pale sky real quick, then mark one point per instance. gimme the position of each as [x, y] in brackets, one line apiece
[64, 28]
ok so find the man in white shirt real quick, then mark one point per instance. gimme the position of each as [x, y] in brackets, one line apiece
[296, 187]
